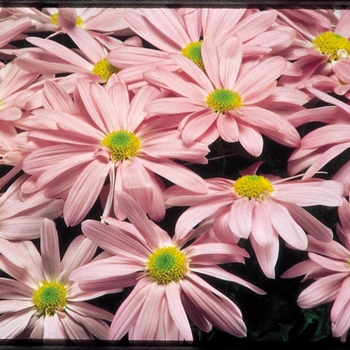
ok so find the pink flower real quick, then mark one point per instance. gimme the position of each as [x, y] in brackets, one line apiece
[328, 266]
[225, 102]
[261, 208]
[21, 218]
[322, 46]
[89, 63]
[164, 276]
[105, 20]
[40, 301]
[107, 134]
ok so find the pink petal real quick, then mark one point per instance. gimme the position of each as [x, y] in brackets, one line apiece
[50, 251]
[241, 217]
[177, 174]
[129, 310]
[173, 295]
[267, 256]
[286, 227]
[80, 200]
[53, 328]
[321, 291]
[12, 324]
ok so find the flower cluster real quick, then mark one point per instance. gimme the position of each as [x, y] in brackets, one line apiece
[179, 144]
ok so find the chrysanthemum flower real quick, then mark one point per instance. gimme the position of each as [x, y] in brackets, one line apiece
[40, 301]
[260, 208]
[99, 20]
[110, 136]
[52, 57]
[328, 266]
[20, 218]
[164, 276]
[322, 47]
[224, 101]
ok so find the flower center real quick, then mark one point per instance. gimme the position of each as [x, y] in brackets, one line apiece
[49, 297]
[167, 264]
[104, 69]
[253, 186]
[193, 52]
[122, 144]
[333, 45]
[78, 21]
[222, 100]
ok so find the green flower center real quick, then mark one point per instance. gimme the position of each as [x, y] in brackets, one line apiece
[193, 52]
[78, 21]
[253, 186]
[122, 144]
[333, 45]
[49, 297]
[222, 100]
[104, 69]
[167, 264]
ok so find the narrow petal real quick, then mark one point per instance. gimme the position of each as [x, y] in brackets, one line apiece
[50, 250]
[286, 227]
[173, 295]
[80, 201]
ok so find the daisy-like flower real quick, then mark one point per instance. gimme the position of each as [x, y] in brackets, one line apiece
[322, 47]
[164, 276]
[21, 218]
[260, 208]
[224, 101]
[328, 266]
[39, 301]
[105, 20]
[109, 135]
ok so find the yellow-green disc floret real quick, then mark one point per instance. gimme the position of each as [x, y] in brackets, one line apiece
[193, 52]
[78, 21]
[253, 186]
[104, 69]
[49, 297]
[333, 45]
[122, 144]
[167, 264]
[222, 100]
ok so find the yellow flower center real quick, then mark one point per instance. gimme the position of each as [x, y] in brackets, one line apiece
[104, 69]
[49, 297]
[193, 52]
[167, 264]
[253, 186]
[78, 21]
[122, 144]
[333, 45]
[222, 100]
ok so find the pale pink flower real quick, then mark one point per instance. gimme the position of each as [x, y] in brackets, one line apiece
[89, 62]
[328, 266]
[105, 20]
[323, 144]
[225, 100]
[39, 301]
[260, 208]
[322, 45]
[164, 275]
[21, 218]
[108, 136]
